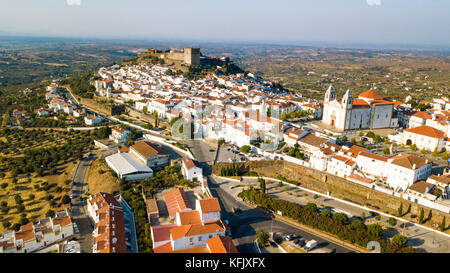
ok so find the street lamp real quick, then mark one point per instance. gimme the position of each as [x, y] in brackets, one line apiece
[434, 234]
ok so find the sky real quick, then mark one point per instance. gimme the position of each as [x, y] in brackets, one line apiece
[403, 22]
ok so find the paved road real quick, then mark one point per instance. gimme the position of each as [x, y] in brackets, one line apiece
[418, 237]
[245, 225]
[79, 209]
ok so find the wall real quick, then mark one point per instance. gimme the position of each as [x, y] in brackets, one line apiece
[382, 200]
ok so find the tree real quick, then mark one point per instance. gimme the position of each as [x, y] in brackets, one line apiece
[400, 210]
[262, 237]
[262, 184]
[145, 109]
[326, 213]
[311, 206]
[340, 217]
[344, 138]
[50, 213]
[356, 224]
[245, 149]
[353, 141]
[392, 221]
[435, 153]
[376, 230]
[442, 225]
[66, 199]
[445, 156]
[400, 240]
[386, 151]
[283, 116]
[421, 216]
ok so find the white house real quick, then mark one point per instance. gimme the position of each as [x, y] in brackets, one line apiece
[405, 169]
[191, 170]
[119, 135]
[209, 209]
[424, 137]
[341, 166]
[372, 165]
[92, 119]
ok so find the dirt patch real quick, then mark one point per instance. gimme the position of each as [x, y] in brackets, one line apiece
[100, 178]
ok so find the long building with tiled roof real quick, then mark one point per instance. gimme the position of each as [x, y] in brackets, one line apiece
[109, 232]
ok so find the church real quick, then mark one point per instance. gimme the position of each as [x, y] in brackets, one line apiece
[368, 111]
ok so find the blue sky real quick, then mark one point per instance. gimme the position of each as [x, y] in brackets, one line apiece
[341, 21]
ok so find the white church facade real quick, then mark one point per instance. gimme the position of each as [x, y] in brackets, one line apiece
[368, 111]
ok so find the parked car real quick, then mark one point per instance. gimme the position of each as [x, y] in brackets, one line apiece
[301, 243]
[310, 245]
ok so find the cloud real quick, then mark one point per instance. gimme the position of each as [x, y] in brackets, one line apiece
[374, 2]
[73, 2]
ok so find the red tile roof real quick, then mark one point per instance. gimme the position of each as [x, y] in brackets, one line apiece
[176, 201]
[427, 131]
[370, 94]
[221, 244]
[209, 205]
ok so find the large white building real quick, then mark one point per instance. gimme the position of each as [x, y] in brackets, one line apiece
[150, 155]
[404, 170]
[368, 111]
[424, 137]
[128, 167]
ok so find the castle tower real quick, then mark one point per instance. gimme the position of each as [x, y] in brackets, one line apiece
[330, 95]
[347, 100]
[192, 55]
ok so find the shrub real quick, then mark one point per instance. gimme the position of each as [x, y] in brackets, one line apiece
[311, 207]
[392, 221]
[262, 238]
[400, 240]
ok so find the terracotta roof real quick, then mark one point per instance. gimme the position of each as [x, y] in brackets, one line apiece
[152, 205]
[198, 249]
[313, 140]
[26, 232]
[147, 149]
[209, 205]
[189, 163]
[176, 200]
[221, 244]
[423, 115]
[165, 248]
[427, 131]
[370, 94]
[162, 233]
[420, 186]
[374, 156]
[444, 179]
[409, 160]
[198, 229]
[360, 178]
[190, 217]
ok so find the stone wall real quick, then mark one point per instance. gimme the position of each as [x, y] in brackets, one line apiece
[338, 187]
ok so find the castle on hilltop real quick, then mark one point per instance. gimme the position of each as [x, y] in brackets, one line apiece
[188, 55]
[368, 111]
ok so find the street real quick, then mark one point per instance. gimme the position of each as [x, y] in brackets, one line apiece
[245, 225]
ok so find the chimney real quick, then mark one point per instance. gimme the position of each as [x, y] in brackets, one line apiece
[414, 166]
